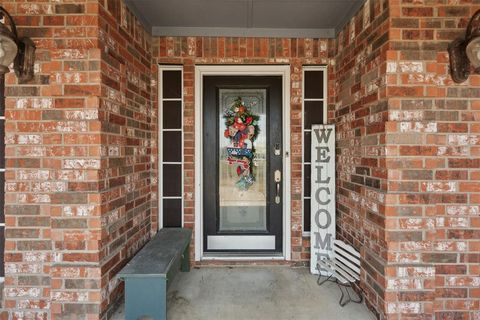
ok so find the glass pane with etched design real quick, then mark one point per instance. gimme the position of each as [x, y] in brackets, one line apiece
[242, 168]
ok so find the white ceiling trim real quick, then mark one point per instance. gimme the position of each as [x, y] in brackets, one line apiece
[243, 32]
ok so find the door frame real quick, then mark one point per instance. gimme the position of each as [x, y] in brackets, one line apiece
[241, 70]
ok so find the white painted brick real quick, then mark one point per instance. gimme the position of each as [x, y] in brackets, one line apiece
[50, 186]
[459, 222]
[404, 284]
[463, 210]
[391, 67]
[81, 114]
[411, 67]
[23, 292]
[462, 139]
[81, 164]
[462, 281]
[404, 307]
[29, 139]
[23, 268]
[70, 296]
[397, 115]
[430, 127]
[442, 186]
[32, 174]
[79, 211]
[36, 257]
[71, 126]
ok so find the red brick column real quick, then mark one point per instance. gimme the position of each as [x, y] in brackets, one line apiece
[128, 115]
[433, 212]
[361, 112]
[402, 120]
[79, 158]
[53, 137]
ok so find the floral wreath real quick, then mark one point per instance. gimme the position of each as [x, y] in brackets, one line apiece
[242, 130]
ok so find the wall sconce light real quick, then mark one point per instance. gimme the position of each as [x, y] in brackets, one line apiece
[465, 53]
[20, 51]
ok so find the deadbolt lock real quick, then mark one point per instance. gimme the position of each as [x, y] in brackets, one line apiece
[278, 176]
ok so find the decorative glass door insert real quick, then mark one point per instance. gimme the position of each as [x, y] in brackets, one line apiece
[242, 176]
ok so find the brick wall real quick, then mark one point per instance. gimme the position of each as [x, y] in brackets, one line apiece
[79, 146]
[432, 212]
[408, 191]
[128, 117]
[53, 151]
[189, 51]
[361, 112]
[81, 153]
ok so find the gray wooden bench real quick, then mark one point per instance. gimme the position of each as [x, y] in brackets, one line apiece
[148, 275]
[344, 266]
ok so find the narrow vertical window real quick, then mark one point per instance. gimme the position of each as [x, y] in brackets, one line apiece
[171, 146]
[314, 112]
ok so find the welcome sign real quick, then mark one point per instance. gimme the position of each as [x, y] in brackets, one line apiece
[323, 194]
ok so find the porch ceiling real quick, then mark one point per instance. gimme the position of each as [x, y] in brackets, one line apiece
[254, 18]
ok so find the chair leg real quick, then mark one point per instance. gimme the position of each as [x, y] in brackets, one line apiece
[324, 280]
[342, 303]
[359, 296]
[342, 287]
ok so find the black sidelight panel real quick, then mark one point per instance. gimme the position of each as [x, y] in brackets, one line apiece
[172, 146]
[307, 141]
[172, 115]
[314, 105]
[172, 216]
[307, 180]
[314, 85]
[313, 113]
[172, 184]
[172, 84]
[171, 152]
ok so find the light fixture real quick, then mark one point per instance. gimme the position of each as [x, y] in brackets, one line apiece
[465, 53]
[20, 51]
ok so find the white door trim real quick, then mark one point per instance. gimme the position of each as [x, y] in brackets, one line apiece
[239, 70]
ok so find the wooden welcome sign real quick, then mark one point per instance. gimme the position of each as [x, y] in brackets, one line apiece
[323, 194]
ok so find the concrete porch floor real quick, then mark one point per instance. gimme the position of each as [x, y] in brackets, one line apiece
[267, 293]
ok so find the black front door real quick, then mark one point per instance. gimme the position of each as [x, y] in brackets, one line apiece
[242, 164]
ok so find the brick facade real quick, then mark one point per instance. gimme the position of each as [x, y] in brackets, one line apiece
[189, 51]
[360, 113]
[81, 185]
[79, 167]
[128, 114]
[432, 133]
[407, 157]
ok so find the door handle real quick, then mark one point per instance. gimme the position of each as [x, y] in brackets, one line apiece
[277, 197]
[278, 179]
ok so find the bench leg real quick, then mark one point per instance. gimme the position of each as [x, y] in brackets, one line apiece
[347, 296]
[186, 260]
[146, 298]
